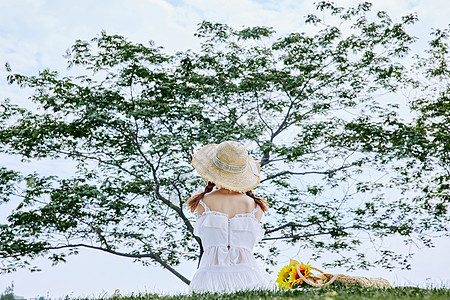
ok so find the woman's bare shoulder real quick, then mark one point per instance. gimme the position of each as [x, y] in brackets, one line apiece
[235, 196]
[220, 199]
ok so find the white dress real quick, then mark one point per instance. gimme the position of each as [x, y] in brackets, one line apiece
[227, 270]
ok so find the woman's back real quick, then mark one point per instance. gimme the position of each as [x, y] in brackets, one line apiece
[229, 202]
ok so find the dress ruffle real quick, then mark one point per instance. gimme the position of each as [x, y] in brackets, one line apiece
[221, 256]
[230, 279]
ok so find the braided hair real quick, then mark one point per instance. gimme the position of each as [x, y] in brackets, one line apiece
[193, 202]
[261, 202]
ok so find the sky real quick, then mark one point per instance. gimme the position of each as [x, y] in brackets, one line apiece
[34, 34]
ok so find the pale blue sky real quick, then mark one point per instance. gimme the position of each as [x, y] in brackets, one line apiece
[34, 34]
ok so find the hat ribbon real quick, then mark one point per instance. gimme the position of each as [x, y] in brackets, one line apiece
[224, 166]
[254, 168]
[234, 169]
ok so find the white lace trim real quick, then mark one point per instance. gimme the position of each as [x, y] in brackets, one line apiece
[218, 213]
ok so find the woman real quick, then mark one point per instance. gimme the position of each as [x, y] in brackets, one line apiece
[228, 220]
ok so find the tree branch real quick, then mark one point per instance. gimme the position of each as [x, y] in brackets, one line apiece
[295, 236]
[151, 255]
[290, 224]
[305, 173]
[299, 236]
[95, 158]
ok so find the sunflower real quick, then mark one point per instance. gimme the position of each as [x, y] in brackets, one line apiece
[283, 277]
[305, 269]
[284, 285]
[294, 279]
[288, 277]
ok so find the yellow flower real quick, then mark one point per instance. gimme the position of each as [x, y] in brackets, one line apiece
[294, 279]
[305, 269]
[283, 277]
[285, 285]
[288, 277]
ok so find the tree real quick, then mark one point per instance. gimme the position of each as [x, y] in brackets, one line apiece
[428, 168]
[307, 107]
[8, 294]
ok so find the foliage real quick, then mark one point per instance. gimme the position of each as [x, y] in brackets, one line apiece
[306, 105]
[8, 294]
[430, 176]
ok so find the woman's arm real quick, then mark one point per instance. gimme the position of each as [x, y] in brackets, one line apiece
[258, 215]
[199, 209]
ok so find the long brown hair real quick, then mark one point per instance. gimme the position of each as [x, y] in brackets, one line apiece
[261, 202]
[194, 200]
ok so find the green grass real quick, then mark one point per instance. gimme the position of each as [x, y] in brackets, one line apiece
[334, 293]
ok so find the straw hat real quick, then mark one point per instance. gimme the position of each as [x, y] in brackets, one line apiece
[228, 165]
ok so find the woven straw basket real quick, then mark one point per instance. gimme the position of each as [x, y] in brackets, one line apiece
[327, 279]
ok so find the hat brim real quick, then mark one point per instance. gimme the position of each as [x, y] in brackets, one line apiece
[243, 181]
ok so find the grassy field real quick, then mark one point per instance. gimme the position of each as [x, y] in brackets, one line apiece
[334, 293]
